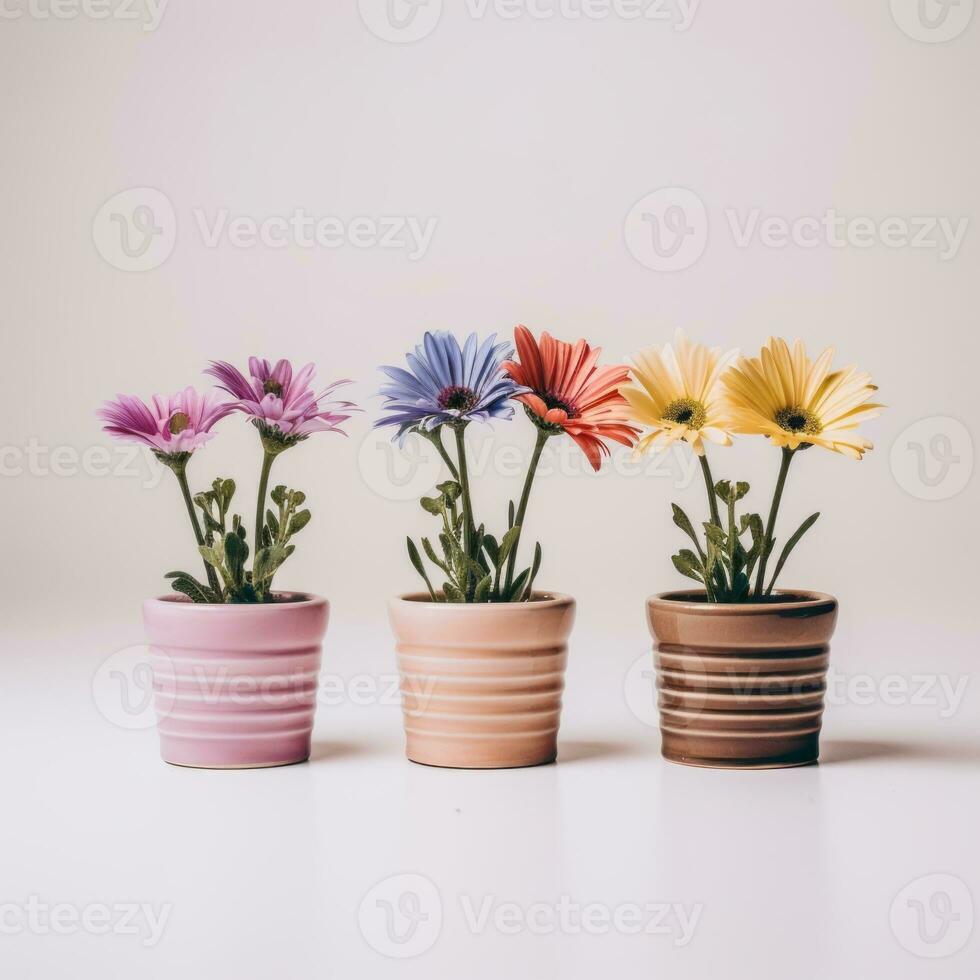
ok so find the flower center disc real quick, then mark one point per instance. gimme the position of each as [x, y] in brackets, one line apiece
[798, 420]
[272, 387]
[686, 411]
[456, 398]
[178, 423]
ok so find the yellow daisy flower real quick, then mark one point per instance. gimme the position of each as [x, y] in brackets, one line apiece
[799, 402]
[678, 394]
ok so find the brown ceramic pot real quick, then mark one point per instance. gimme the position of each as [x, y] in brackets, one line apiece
[481, 684]
[741, 686]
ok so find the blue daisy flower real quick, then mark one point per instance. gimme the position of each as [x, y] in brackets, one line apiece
[448, 384]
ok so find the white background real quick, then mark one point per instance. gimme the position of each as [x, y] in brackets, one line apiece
[529, 140]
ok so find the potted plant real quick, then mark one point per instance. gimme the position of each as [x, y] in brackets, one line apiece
[482, 651]
[741, 666]
[235, 662]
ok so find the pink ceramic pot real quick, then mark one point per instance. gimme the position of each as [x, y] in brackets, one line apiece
[481, 684]
[235, 685]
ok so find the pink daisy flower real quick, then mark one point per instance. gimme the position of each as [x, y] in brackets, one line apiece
[281, 404]
[170, 426]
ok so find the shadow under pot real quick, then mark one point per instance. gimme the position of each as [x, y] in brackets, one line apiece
[741, 686]
[235, 686]
[481, 684]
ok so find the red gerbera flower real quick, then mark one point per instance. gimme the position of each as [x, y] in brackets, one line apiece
[569, 393]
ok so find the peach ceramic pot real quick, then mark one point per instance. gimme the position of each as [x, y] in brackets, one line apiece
[481, 684]
[741, 686]
[235, 685]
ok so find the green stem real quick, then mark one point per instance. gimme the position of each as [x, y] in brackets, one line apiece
[435, 437]
[198, 535]
[464, 481]
[771, 524]
[710, 484]
[260, 503]
[522, 507]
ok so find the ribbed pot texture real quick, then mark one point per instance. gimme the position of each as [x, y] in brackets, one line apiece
[235, 686]
[481, 684]
[741, 686]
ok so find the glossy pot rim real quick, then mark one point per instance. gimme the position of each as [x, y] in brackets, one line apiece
[682, 601]
[296, 600]
[544, 599]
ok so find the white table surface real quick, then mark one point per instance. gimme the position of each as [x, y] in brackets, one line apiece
[611, 861]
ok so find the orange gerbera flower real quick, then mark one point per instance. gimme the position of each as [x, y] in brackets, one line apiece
[570, 393]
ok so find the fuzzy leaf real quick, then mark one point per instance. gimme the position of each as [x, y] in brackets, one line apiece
[517, 589]
[483, 589]
[684, 523]
[507, 543]
[430, 551]
[492, 549]
[298, 522]
[535, 565]
[450, 489]
[452, 593]
[278, 495]
[189, 586]
[432, 505]
[687, 564]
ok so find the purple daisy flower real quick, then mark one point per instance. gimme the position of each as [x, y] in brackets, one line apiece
[170, 426]
[448, 384]
[282, 405]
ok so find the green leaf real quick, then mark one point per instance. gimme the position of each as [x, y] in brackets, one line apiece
[684, 523]
[278, 495]
[299, 498]
[510, 513]
[272, 522]
[432, 505]
[450, 489]
[517, 589]
[507, 543]
[298, 522]
[451, 593]
[535, 565]
[723, 490]
[492, 549]
[715, 535]
[687, 564]
[483, 589]
[415, 557]
[430, 551]
[189, 586]
[227, 492]
[790, 545]
[236, 552]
